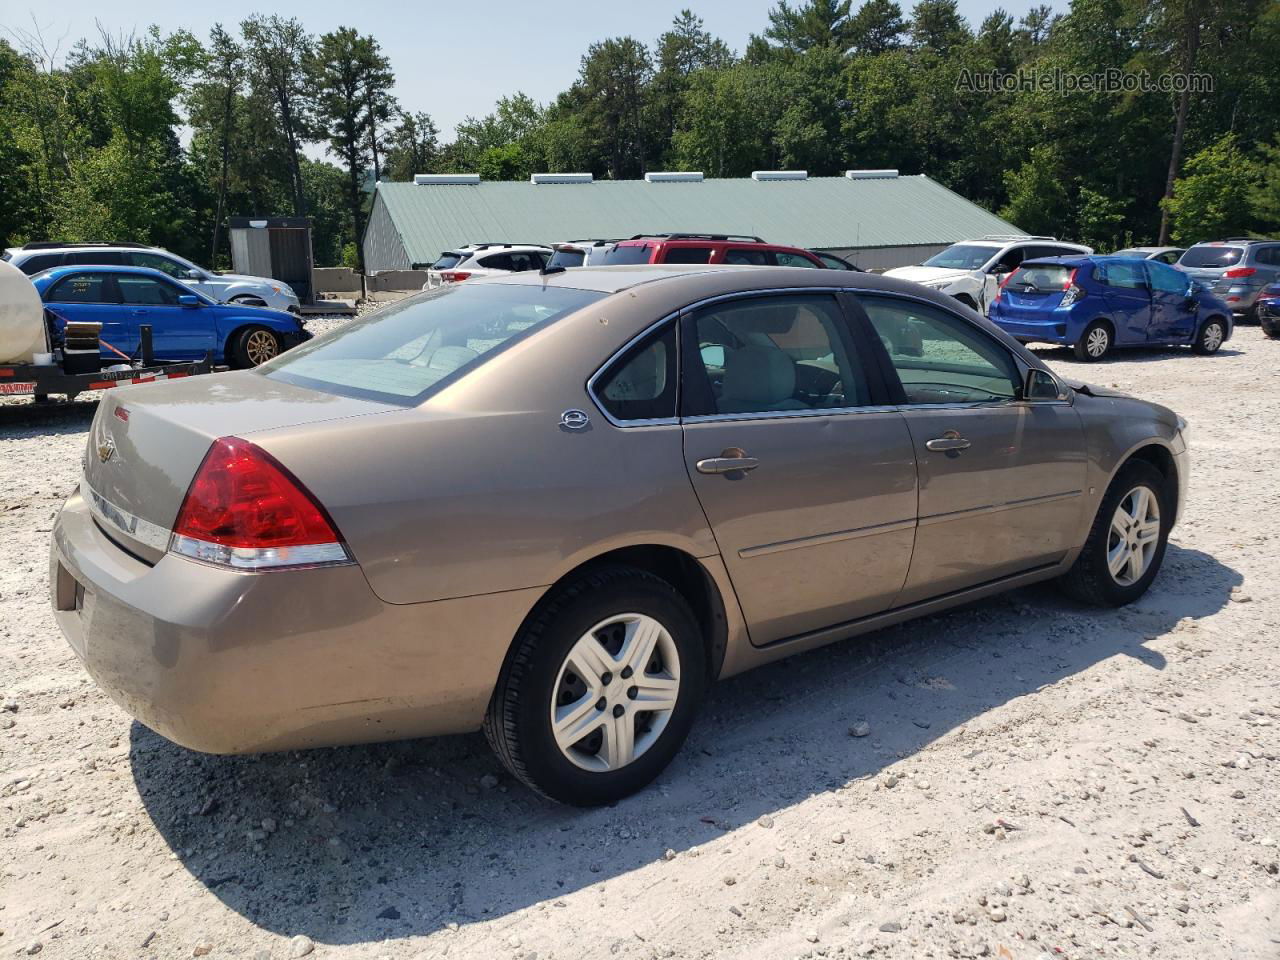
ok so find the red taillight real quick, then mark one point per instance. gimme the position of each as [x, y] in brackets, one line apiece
[1004, 283]
[1240, 272]
[1071, 279]
[245, 510]
[453, 276]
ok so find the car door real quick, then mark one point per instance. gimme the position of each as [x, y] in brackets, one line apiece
[808, 483]
[1173, 312]
[177, 332]
[91, 297]
[1000, 478]
[1127, 297]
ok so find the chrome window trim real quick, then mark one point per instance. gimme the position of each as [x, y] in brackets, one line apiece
[787, 414]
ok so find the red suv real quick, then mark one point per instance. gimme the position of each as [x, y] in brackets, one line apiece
[707, 248]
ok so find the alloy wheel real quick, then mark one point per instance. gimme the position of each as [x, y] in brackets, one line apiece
[1134, 536]
[260, 346]
[615, 692]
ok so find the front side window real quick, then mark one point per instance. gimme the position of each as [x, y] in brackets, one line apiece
[156, 262]
[1123, 274]
[793, 259]
[940, 358]
[962, 256]
[688, 255]
[144, 291]
[641, 384]
[404, 352]
[1010, 260]
[82, 288]
[1165, 279]
[521, 262]
[772, 354]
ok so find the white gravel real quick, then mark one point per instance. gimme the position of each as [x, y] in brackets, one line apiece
[1035, 779]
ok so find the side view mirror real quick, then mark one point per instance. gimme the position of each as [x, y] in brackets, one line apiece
[1040, 385]
[188, 300]
[194, 275]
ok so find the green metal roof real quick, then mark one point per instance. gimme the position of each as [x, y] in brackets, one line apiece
[821, 212]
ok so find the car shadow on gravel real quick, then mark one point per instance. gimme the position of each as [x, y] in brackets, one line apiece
[363, 844]
[1127, 354]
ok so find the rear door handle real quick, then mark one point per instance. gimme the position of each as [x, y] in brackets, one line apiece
[951, 441]
[731, 460]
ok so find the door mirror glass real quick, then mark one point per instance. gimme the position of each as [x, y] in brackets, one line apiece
[188, 300]
[713, 355]
[1040, 385]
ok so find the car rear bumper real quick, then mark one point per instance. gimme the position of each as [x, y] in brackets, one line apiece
[228, 662]
[1040, 331]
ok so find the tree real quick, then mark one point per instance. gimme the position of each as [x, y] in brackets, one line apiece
[684, 49]
[277, 50]
[413, 145]
[877, 27]
[212, 101]
[1038, 201]
[340, 66]
[936, 25]
[1266, 195]
[816, 23]
[613, 87]
[1214, 197]
[379, 104]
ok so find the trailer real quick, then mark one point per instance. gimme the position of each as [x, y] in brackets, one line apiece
[41, 380]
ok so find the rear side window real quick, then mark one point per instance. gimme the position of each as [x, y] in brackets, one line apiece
[1268, 255]
[1040, 278]
[567, 258]
[687, 255]
[496, 261]
[641, 384]
[1123, 274]
[751, 258]
[82, 288]
[41, 261]
[448, 261]
[1211, 256]
[521, 262]
[403, 353]
[624, 254]
[109, 258]
[785, 259]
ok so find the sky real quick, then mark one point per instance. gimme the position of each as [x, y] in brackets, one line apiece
[452, 60]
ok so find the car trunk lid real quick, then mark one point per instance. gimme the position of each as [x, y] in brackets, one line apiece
[147, 442]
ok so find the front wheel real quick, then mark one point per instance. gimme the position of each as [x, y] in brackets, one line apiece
[1210, 337]
[1127, 541]
[600, 689]
[254, 346]
[1094, 343]
[248, 300]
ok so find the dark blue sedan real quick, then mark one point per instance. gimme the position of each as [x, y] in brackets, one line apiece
[1095, 304]
[1268, 307]
[185, 325]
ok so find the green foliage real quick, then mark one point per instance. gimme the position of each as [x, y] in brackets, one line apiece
[1214, 196]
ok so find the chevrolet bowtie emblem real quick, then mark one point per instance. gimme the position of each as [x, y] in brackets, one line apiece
[106, 449]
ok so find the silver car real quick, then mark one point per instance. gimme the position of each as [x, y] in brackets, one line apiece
[557, 507]
[1236, 270]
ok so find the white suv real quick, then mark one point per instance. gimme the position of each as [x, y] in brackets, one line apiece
[223, 287]
[477, 260]
[972, 270]
[581, 253]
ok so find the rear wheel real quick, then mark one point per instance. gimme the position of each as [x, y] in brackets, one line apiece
[1127, 542]
[1095, 343]
[253, 346]
[1210, 337]
[600, 689]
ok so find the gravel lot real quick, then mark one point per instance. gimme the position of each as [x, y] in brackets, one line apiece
[1036, 779]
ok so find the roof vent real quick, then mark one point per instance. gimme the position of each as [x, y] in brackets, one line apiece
[674, 176]
[455, 179]
[871, 174]
[560, 178]
[779, 174]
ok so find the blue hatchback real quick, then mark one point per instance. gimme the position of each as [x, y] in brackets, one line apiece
[1094, 304]
[185, 325]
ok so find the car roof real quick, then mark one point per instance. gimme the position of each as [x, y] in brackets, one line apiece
[102, 268]
[1074, 260]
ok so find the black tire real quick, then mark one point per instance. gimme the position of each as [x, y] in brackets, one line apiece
[1271, 328]
[1090, 579]
[1083, 349]
[1206, 341]
[250, 346]
[518, 723]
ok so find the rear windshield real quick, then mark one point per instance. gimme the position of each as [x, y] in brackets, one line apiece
[962, 257]
[638, 253]
[403, 353]
[1040, 278]
[1141, 254]
[1211, 256]
[567, 258]
[448, 261]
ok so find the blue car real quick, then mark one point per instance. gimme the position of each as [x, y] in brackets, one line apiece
[1095, 304]
[1268, 307]
[185, 325]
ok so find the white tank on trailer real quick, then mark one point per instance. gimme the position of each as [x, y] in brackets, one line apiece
[22, 330]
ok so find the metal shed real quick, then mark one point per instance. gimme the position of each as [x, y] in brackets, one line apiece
[875, 217]
[275, 247]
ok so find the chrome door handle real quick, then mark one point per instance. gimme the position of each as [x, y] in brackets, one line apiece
[949, 442]
[731, 460]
